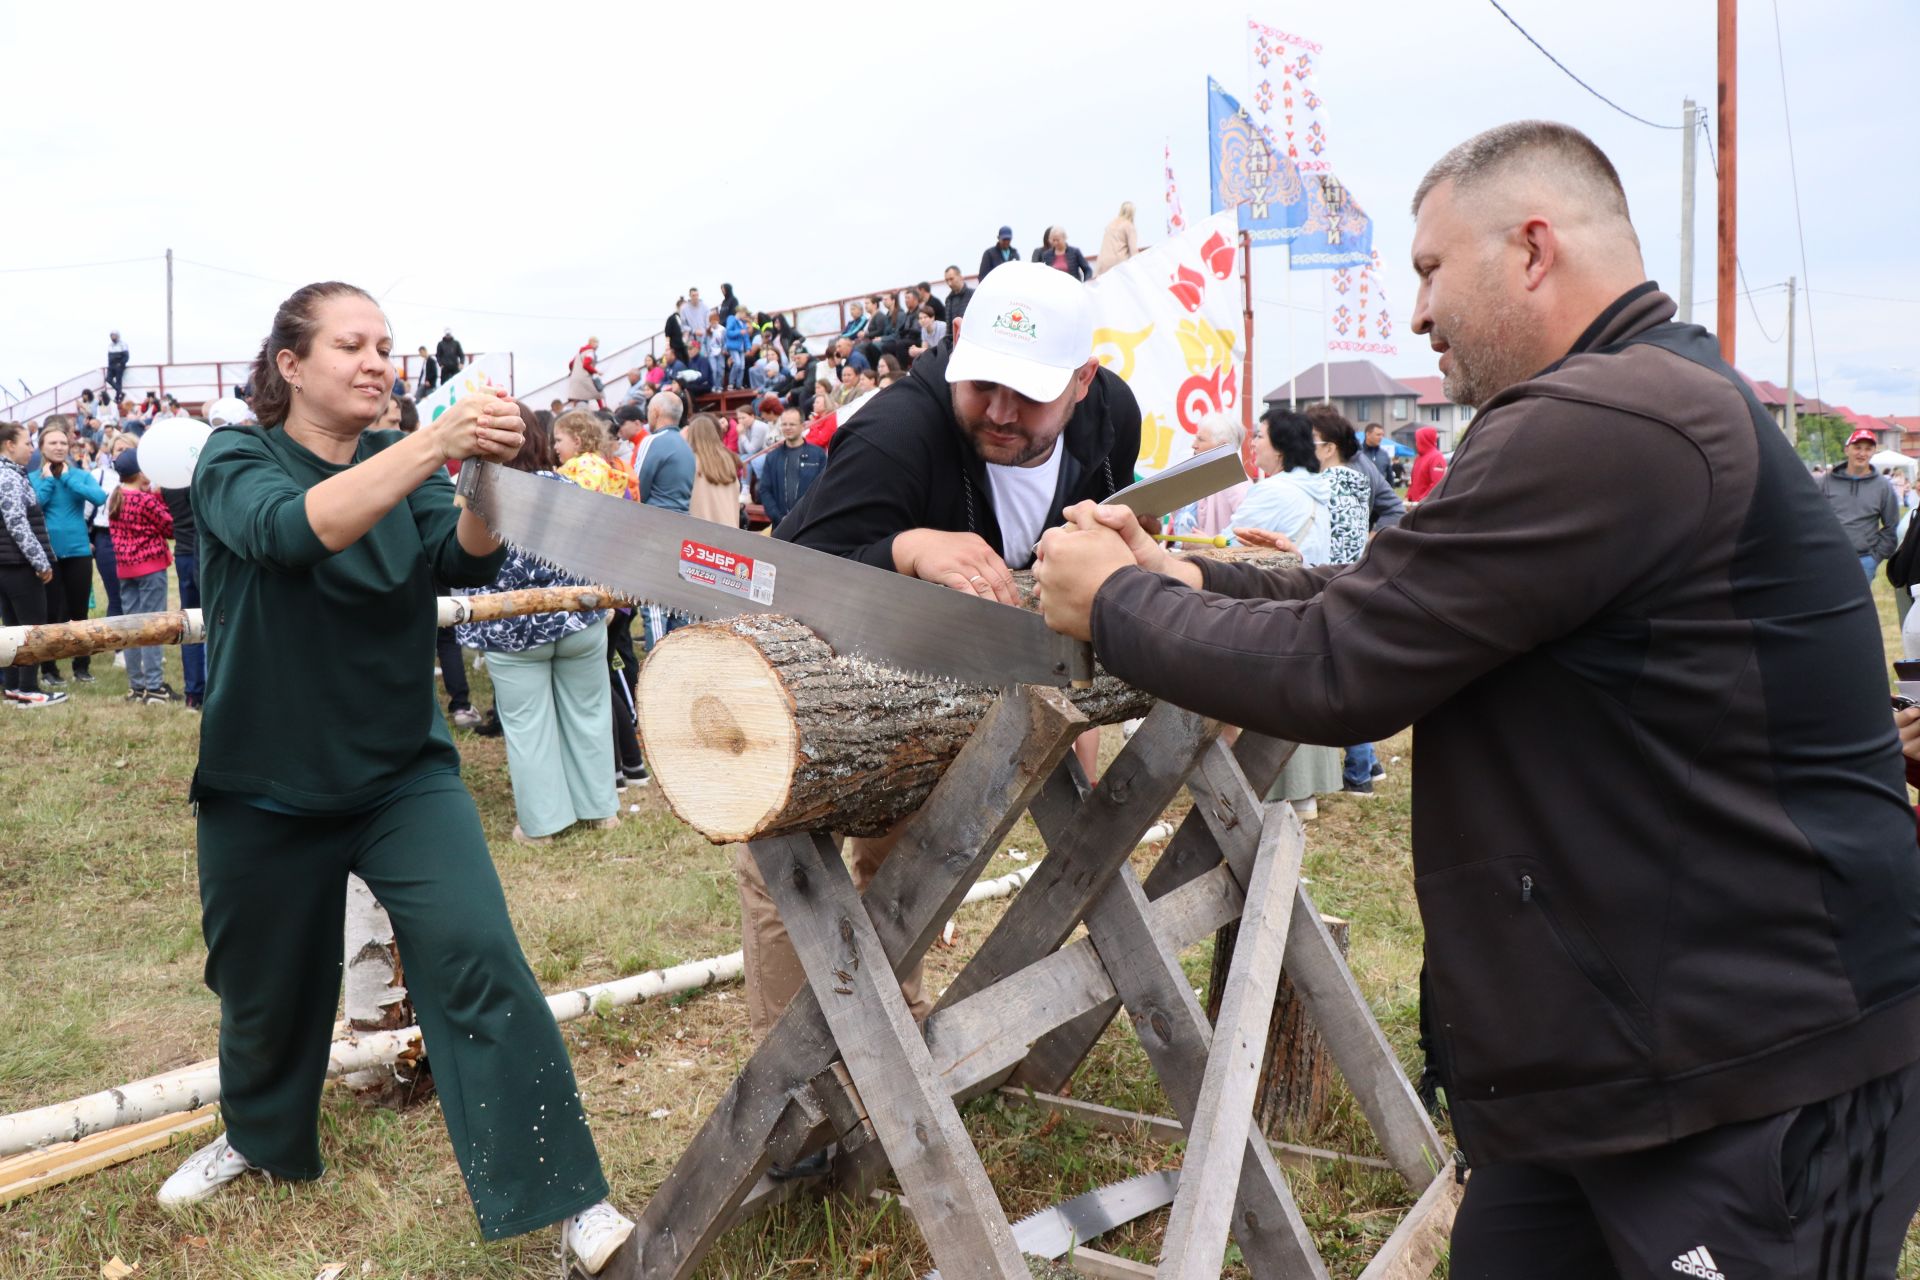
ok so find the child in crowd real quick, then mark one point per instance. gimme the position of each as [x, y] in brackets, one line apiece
[141, 524]
[739, 338]
[580, 441]
[716, 348]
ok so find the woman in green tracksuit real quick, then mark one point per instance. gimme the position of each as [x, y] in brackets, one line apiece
[322, 751]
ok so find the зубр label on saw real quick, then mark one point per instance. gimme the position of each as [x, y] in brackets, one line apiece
[739, 576]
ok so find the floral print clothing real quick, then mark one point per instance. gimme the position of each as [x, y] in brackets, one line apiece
[1350, 506]
[22, 518]
[520, 572]
[591, 471]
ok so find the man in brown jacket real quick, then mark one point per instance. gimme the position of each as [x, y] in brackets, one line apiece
[1660, 838]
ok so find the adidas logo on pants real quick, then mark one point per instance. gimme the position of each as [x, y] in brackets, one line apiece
[1698, 1262]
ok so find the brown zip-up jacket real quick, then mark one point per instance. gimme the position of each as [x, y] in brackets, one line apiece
[1660, 836]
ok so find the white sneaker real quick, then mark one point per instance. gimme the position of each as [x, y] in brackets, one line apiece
[205, 1172]
[595, 1235]
[1307, 809]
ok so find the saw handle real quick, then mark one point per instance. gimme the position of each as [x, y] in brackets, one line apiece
[467, 483]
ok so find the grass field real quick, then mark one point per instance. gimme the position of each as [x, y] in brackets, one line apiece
[99, 934]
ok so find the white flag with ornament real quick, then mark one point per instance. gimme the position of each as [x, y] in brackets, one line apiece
[1166, 321]
[1361, 320]
[1283, 71]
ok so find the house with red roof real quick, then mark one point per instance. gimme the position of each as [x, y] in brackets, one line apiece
[1360, 389]
[1433, 409]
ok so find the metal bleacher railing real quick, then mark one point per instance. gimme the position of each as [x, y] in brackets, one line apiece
[192, 384]
[195, 383]
[816, 322]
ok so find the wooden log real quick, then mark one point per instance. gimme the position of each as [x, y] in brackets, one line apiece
[754, 727]
[375, 999]
[1296, 1076]
[28, 646]
[23, 646]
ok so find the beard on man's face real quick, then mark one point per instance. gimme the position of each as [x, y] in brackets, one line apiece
[1489, 348]
[1010, 444]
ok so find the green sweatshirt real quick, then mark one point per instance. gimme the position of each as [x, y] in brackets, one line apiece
[319, 664]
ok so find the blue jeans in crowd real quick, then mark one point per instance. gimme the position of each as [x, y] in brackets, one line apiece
[109, 574]
[193, 657]
[144, 594]
[1869, 564]
[1358, 767]
[717, 370]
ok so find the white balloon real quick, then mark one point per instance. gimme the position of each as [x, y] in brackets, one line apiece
[170, 449]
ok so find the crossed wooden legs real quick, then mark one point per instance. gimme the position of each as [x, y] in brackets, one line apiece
[1026, 997]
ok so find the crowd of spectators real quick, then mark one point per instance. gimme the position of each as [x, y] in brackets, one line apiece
[730, 422]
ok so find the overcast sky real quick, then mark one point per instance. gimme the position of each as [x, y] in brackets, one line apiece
[532, 174]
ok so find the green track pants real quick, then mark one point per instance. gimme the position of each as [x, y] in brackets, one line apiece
[273, 894]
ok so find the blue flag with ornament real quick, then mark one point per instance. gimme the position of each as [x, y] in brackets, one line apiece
[1334, 231]
[1248, 174]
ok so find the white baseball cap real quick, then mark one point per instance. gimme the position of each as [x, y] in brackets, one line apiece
[1028, 326]
[228, 412]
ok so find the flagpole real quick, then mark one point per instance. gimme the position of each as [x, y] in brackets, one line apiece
[1293, 370]
[1326, 361]
[1246, 364]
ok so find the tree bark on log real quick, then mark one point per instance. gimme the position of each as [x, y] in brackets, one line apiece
[1295, 1094]
[375, 999]
[47, 642]
[752, 727]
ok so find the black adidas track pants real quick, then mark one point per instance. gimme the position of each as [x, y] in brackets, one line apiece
[1822, 1192]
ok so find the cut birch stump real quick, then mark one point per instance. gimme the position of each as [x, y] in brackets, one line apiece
[754, 727]
[375, 999]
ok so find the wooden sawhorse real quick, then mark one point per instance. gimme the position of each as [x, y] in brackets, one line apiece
[847, 1063]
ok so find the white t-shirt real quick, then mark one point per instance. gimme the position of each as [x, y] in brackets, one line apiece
[1023, 502]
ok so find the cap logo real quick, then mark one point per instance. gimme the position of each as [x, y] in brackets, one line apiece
[1017, 321]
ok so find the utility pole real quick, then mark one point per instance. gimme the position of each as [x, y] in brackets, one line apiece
[1690, 114]
[1728, 288]
[169, 306]
[1793, 416]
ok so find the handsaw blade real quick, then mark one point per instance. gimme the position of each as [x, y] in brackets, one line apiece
[1054, 1230]
[1201, 476]
[706, 570]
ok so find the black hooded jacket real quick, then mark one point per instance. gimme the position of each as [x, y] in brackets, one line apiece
[903, 463]
[1660, 832]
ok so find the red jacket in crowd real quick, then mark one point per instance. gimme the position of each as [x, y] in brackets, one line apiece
[1429, 467]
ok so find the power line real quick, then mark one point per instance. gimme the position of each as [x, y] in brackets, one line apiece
[1793, 171]
[1739, 265]
[1576, 79]
[79, 266]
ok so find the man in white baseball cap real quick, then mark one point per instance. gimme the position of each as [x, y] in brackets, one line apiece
[951, 474]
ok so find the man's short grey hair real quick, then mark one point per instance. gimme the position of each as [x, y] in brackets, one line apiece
[1225, 427]
[1505, 149]
[670, 409]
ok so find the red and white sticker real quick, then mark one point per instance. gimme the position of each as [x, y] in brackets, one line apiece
[738, 576]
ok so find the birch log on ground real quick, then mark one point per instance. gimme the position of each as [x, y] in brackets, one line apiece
[753, 727]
